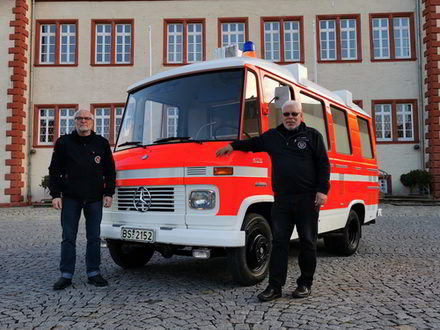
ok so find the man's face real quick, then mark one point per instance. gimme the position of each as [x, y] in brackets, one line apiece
[292, 116]
[84, 122]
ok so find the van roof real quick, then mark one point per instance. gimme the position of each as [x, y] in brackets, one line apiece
[239, 62]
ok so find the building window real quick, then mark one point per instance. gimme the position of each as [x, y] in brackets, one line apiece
[184, 41]
[112, 42]
[392, 37]
[232, 31]
[108, 119]
[56, 43]
[283, 39]
[172, 120]
[339, 38]
[52, 121]
[67, 120]
[396, 121]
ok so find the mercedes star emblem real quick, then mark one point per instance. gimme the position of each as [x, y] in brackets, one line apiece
[142, 199]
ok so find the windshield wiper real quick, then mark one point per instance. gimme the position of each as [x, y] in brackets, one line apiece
[130, 143]
[173, 138]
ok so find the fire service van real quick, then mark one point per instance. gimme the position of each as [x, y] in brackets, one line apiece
[174, 196]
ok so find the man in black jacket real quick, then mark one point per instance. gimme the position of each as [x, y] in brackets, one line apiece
[82, 178]
[300, 182]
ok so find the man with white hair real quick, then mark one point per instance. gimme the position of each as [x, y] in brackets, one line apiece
[300, 182]
[82, 178]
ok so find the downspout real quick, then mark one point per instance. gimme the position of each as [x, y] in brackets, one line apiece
[30, 112]
[315, 55]
[419, 54]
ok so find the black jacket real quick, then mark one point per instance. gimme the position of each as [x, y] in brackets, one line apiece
[82, 167]
[299, 159]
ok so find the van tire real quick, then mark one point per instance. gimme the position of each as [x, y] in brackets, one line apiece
[347, 243]
[250, 264]
[129, 255]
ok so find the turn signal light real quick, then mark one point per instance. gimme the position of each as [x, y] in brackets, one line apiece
[223, 170]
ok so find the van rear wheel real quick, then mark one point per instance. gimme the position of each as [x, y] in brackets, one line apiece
[250, 264]
[347, 242]
[129, 255]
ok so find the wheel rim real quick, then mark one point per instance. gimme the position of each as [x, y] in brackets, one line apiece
[257, 251]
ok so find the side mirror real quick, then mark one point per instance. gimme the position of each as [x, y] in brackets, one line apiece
[282, 95]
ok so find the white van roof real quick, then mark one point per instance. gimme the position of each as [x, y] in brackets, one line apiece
[296, 73]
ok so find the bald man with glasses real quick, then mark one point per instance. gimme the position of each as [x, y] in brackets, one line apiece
[300, 182]
[82, 179]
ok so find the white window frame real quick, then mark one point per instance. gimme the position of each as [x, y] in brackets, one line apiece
[292, 32]
[197, 55]
[70, 120]
[380, 109]
[326, 41]
[269, 45]
[228, 34]
[71, 41]
[103, 34]
[347, 30]
[47, 118]
[400, 29]
[126, 55]
[49, 36]
[172, 46]
[405, 109]
[378, 42]
[100, 121]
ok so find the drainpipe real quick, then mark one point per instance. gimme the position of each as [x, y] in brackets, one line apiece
[419, 54]
[30, 103]
[315, 63]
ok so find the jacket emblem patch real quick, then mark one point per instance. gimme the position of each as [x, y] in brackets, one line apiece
[302, 145]
[97, 159]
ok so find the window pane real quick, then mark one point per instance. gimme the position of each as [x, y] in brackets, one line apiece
[340, 129]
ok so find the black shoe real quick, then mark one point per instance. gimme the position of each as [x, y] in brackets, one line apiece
[62, 283]
[98, 280]
[301, 292]
[269, 294]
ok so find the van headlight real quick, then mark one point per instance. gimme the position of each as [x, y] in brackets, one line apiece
[202, 199]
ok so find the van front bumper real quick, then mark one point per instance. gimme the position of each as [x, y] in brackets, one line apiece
[183, 236]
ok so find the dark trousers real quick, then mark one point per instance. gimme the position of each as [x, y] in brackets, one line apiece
[288, 212]
[70, 215]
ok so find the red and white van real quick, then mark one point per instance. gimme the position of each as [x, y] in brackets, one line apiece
[175, 197]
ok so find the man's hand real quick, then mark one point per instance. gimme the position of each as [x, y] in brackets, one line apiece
[224, 151]
[57, 203]
[320, 199]
[108, 201]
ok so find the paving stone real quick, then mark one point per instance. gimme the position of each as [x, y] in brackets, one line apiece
[392, 282]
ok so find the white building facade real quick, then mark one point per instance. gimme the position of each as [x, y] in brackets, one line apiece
[62, 56]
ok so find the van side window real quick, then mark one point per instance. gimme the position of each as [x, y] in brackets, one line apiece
[314, 115]
[366, 147]
[251, 118]
[340, 128]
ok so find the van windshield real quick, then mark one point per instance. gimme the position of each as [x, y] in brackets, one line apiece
[199, 107]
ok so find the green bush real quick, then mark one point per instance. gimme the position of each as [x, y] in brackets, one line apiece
[414, 178]
[45, 182]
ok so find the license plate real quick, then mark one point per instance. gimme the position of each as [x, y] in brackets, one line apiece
[135, 234]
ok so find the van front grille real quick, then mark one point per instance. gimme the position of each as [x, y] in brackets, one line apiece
[154, 199]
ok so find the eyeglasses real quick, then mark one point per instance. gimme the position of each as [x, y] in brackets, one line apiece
[83, 118]
[291, 114]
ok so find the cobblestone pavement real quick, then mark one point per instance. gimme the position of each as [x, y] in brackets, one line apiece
[392, 282]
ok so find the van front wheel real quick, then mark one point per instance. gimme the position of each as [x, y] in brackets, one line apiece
[250, 264]
[129, 255]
